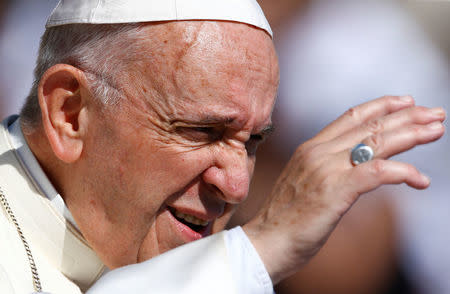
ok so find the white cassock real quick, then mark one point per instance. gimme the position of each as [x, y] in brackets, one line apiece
[222, 263]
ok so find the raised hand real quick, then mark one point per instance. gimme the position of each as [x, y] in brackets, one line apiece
[320, 183]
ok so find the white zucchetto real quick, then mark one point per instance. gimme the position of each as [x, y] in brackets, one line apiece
[131, 11]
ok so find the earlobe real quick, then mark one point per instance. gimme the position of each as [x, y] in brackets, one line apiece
[64, 111]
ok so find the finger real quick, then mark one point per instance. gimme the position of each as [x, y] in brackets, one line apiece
[372, 174]
[390, 143]
[363, 113]
[411, 116]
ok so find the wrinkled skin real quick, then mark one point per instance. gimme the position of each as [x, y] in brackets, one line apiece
[320, 184]
[183, 138]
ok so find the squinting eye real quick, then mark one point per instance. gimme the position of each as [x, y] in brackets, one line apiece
[206, 130]
[209, 134]
[252, 144]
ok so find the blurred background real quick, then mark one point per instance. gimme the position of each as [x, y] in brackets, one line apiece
[21, 26]
[333, 54]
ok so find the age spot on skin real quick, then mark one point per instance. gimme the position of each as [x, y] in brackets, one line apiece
[204, 83]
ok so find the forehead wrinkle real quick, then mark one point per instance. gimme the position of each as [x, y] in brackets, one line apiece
[228, 55]
[216, 45]
[196, 51]
[209, 54]
[151, 74]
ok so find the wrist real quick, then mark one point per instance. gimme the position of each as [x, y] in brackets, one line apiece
[270, 248]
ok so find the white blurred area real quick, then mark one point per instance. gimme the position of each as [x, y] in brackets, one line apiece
[339, 54]
[335, 54]
[342, 53]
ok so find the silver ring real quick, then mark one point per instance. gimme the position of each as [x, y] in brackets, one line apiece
[361, 153]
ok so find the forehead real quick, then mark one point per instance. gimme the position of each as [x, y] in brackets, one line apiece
[211, 67]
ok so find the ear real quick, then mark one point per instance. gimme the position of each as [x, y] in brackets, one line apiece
[63, 100]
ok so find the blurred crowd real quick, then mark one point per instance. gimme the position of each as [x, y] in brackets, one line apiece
[333, 54]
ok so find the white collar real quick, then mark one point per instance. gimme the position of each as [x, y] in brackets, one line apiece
[36, 173]
[41, 217]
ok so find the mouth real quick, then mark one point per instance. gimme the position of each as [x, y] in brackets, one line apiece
[194, 223]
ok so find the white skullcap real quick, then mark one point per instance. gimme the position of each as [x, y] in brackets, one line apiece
[130, 11]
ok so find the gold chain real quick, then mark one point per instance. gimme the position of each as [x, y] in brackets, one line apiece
[34, 272]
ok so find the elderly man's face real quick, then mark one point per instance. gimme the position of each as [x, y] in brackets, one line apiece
[171, 160]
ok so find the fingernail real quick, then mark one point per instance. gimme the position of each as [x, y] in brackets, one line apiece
[438, 111]
[426, 180]
[406, 99]
[436, 125]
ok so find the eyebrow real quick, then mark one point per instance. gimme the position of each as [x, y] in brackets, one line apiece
[266, 131]
[207, 120]
[210, 120]
[217, 120]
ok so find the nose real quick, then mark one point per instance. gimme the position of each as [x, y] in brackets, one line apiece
[230, 173]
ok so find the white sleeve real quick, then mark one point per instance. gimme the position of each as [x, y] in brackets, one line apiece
[247, 268]
[223, 263]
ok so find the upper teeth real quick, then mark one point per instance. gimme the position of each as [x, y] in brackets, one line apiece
[192, 219]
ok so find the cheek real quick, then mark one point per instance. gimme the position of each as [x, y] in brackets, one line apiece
[158, 170]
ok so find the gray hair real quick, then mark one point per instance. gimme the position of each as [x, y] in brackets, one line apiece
[98, 50]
